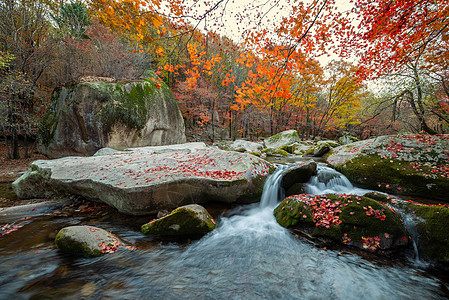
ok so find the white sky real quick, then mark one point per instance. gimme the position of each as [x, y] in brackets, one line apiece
[239, 15]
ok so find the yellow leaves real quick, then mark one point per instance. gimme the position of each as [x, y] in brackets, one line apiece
[160, 51]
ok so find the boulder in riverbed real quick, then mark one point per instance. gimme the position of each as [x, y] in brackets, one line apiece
[148, 179]
[188, 220]
[347, 219]
[89, 241]
[416, 165]
[295, 177]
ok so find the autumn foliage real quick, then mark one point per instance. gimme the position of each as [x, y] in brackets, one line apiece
[264, 80]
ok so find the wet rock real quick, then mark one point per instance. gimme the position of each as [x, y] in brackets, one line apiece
[431, 223]
[188, 220]
[281, 139]
[415, 165]
[347, 219]
[89, 241]
[148, 179]
[295, 177]
[92, 115]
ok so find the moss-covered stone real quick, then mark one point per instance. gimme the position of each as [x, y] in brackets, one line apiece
[188, 220]
[87, 116]
[432, 223]
[348, 219]
[86, 240]
[414, 165]
[275, 152]
[281, 139]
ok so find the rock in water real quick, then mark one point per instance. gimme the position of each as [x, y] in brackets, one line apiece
[295, 177]
[416, 165]
[348, 219]
[148, 179]
[189, 220]
[93, 115]
[86, 240]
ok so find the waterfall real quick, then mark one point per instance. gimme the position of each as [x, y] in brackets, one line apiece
[328, 181]
[272, 191]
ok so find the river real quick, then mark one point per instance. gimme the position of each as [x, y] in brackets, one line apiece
[249, 256]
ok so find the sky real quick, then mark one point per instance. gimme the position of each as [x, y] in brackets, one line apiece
[233, 17]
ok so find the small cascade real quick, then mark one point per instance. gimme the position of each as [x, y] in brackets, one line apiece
[272, 191]
[410, 224]
[329, 180]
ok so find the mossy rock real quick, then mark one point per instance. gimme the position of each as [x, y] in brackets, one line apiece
[413, 165]
[347, 219]
[188, 220]
[275, 152]
[281, 139]
[432, 223]
[89, 241]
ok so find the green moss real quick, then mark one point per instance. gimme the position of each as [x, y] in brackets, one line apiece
[128, 104]
[271, 151]
[68, 245]
[432, 225]
[394, 176]
[353, 217]
[182, 221]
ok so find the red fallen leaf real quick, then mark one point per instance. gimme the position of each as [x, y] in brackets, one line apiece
[404, 238]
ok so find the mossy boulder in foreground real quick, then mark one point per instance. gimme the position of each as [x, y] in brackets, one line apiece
[347, 219]
[416, 165]
[89, 241]
[188, 220]
[432, 226]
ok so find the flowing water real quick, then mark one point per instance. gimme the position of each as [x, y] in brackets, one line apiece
[249, 256]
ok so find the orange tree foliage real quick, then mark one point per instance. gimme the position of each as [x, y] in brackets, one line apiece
[249, 85]
[391, 33]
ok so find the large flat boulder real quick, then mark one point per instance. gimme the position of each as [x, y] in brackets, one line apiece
[416, 165]
[88, 116]
[145, 180]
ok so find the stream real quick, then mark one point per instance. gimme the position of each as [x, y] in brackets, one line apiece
[248, 256]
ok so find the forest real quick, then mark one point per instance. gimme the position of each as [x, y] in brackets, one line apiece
[262, 75]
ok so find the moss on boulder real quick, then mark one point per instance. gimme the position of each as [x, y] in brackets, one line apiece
[281, 139]
[89, 241]
[188, 220]
[416, 165]
[348, 219]
[85, 117]
[274, 152]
